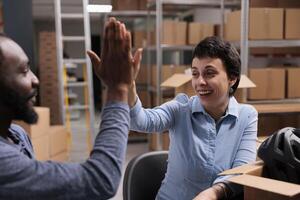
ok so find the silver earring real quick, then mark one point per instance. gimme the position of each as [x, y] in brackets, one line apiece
[231, 90]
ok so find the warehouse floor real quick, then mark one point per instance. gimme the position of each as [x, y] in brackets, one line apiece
[79, 148]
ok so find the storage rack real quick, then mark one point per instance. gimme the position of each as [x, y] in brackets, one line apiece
[245, 44]
[181, 8]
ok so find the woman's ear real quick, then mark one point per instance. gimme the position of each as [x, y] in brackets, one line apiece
[232, 81]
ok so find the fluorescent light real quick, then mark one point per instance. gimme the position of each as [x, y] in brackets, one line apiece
[93, 8]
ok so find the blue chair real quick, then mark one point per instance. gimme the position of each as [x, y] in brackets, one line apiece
[144, 174]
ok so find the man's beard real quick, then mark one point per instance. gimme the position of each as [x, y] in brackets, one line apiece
[19, 105]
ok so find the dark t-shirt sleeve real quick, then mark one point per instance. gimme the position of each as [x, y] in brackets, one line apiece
[97, 178]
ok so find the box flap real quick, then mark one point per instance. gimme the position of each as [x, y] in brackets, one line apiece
[243, 169]
[176, 80]
[245, 82]
[266, 184]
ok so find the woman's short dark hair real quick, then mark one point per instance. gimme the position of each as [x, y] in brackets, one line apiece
[214, 47]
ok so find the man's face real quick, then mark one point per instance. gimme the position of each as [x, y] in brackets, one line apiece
[18, 85]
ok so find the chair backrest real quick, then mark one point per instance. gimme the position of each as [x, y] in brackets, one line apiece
[144, 174]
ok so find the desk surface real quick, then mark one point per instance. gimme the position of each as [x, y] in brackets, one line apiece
[277, 108]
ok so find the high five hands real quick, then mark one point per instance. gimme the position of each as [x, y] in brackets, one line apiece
[117, 68]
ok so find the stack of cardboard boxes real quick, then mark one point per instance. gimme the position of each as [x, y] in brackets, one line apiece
[265, 24]
[274, 83]
[49, 142]
[176, 33]
[48, 76]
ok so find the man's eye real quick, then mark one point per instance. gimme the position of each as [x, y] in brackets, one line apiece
[26, 69]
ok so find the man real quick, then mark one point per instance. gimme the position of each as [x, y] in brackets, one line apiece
[23, 177]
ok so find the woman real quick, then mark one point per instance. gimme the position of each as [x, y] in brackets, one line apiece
[209, 132]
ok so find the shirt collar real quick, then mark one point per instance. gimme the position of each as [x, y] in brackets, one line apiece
[231, 110]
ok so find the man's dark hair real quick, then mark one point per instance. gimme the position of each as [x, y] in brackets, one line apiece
[214, 47]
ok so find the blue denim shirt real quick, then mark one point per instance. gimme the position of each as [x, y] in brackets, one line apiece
[23, 177]
[200, 148]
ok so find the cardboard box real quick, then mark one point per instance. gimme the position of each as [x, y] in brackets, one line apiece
[264, 23]
[270, 83]
[293, 90]
[41, 127]
[61, 157]
[256, 186]
[168, 32]
[180, 33]
[173, 32]
[166, 72]
[245, 84]
[292, 28]
[41, 147]
[183, 83]
[232, 26]
[199, 31]
[125, 4]
[58, 139]
[139, 39]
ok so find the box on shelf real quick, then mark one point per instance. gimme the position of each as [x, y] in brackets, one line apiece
[292, 28]
[180, 33]
[168, 32]
[270, 83]
[257, 186]
[174, 32]
[275, 3]
[139, 39]
[41, 127]
[264, 23]
[58, 139]
[125, 4]
[293, 90]
[198, 31]
[232, 26]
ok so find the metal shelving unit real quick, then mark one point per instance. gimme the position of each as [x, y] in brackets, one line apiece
[180, 7]
[245, 44]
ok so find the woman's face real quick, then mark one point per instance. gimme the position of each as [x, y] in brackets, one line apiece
[211, 83]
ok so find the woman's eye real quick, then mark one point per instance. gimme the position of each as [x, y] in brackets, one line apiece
[209, 73]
